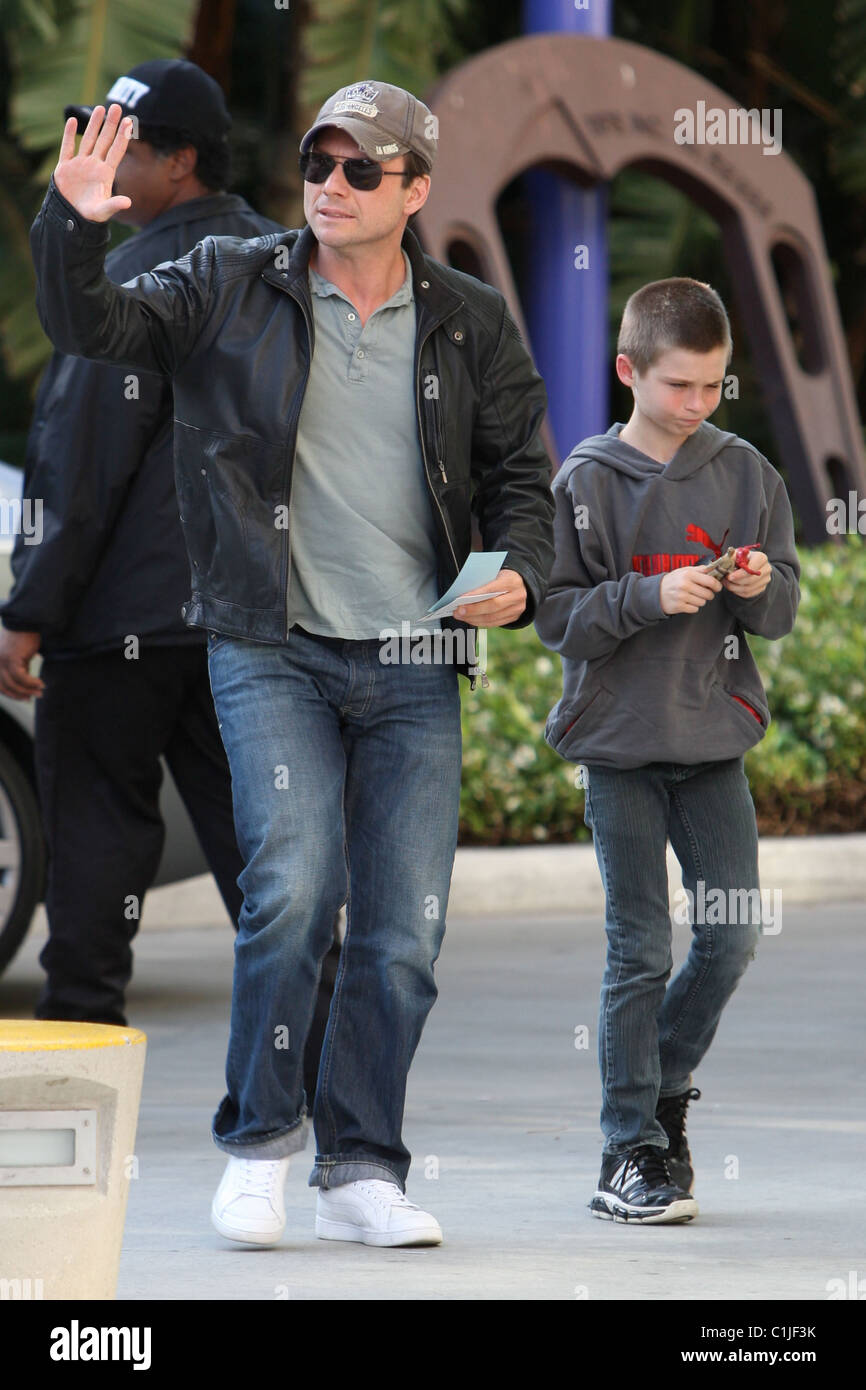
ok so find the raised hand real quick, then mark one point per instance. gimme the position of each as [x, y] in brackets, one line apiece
[86, 179]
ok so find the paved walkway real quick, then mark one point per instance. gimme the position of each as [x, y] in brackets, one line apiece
[502, 1118]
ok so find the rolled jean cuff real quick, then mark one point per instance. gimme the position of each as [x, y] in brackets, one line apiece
[278, 1145]
[618, 1150]
[666, 1090]
[330, 1170]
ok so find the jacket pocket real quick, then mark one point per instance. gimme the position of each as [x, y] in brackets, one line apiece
[437, 440]
[229, 489]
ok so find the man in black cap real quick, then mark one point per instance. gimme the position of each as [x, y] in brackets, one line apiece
[124, 681]
[343, 404]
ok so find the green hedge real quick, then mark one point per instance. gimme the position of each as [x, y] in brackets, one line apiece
[808, 774]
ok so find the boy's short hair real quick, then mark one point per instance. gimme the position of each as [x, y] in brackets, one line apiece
[674, 313]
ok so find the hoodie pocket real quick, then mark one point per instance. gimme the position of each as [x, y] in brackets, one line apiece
[747, 706]
[568, 725]
[740, 701]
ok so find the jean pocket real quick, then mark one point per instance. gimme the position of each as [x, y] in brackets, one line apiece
[216, 640]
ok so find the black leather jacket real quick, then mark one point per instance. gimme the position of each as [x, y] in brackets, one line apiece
[231, 322]
[112, 560]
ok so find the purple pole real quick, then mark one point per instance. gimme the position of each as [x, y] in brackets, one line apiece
[566, 299]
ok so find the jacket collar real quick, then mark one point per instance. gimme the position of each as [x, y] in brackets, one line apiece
[210, 205]
[434, 297]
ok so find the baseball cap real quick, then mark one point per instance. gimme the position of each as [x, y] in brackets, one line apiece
[385, 121]
[168, 92]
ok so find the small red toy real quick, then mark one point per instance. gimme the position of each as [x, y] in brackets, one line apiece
[733, 559]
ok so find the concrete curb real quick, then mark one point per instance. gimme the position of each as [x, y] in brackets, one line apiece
[561, 880]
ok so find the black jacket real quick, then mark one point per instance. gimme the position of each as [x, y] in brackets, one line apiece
[112, 560]
[232, 323]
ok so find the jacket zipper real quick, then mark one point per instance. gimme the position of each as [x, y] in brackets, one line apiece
[440, 437]
[485, 680]
[439, 462]
[294, 455]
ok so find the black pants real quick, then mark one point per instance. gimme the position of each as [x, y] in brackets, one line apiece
[102, 725]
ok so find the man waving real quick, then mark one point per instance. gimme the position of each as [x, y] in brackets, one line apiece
[342, 404]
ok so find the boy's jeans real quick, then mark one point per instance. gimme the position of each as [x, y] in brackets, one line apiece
[652, 1037]
[345, 779]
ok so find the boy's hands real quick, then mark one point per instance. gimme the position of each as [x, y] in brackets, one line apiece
[687, 590]
[746, 585]
[86, 179]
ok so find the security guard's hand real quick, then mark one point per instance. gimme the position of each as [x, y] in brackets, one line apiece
[17, 650]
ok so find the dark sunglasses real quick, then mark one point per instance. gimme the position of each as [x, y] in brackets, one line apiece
[364, 174]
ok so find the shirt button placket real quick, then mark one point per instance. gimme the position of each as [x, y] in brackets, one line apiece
[353, 331]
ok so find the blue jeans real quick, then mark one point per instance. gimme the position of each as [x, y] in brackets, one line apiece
[651, 1034]
[346, 788]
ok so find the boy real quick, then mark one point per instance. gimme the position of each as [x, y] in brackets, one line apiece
[661, 699]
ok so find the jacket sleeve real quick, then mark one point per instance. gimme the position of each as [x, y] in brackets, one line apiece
[586, 614]
[77, 484]
[772, 613]
[152, 322]
[511, 468]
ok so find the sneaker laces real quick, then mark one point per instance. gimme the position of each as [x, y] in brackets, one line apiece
[649, 1164]
[386, 1194]
[257, 1176]
[672, 1113]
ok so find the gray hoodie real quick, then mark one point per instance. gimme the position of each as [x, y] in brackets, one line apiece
[640, 686]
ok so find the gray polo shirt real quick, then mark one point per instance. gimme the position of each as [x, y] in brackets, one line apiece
[363, 539]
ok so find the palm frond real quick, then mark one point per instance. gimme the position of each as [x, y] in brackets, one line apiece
[96, 41]
[60, 52]
[406, 42]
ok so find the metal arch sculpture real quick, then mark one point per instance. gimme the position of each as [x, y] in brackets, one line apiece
[592, 106]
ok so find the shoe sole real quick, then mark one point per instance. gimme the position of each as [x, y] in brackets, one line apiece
[248, 1237]
[607, 1208]
[326, 1229]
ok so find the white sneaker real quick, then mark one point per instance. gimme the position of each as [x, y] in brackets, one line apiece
[374, 1212]
[249, 1204]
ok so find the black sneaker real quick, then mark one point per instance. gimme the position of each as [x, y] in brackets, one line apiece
[636, 1186]
[671, 1115]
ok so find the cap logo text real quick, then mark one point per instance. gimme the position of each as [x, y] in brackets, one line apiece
[127, 91]
[358, 106]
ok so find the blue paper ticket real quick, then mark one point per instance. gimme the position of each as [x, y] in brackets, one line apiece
[480, 568]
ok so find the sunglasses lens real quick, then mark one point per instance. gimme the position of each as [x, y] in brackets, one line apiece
[315, 168]
[364, 174]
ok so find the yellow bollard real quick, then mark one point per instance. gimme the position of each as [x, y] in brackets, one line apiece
[69, 1098]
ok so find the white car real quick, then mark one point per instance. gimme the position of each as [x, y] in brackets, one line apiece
[22, 846]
